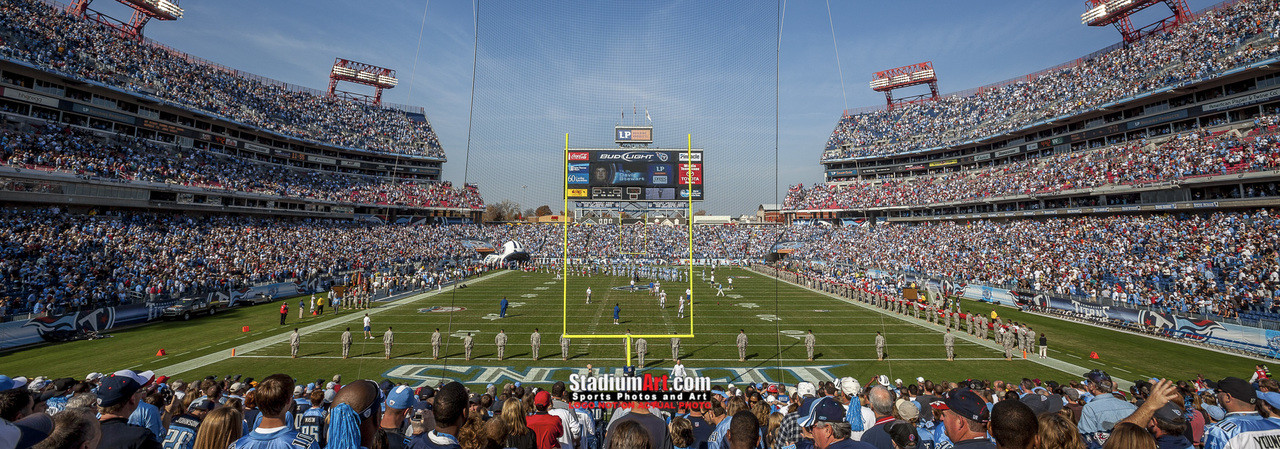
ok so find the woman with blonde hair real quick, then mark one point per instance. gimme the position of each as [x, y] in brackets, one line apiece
[775, 421]
[519, 435]
[219, 429]
[1128, 435]
[1058, 432]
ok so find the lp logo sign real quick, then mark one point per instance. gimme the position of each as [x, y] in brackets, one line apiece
[624, 134]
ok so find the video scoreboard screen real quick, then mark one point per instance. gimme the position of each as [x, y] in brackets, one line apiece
[634, 175]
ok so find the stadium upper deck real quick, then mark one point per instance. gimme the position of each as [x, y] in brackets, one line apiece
[1220, 41]
[46, 37]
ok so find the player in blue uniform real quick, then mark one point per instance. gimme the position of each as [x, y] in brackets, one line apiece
[273, 430]
[1243, 427]
[182, 429]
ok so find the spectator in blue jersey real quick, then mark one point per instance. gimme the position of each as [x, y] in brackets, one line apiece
[183, 428]
[1243, 425]
[1102, 413]
[353, 419]
[450, 410]
[617, 312]
[311, 420]
[502, 308]
[825, 420]
[399, 401]
[274, 431]
[118, 397]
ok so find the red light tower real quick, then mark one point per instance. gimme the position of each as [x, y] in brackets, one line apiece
[361, 73]
[906, 76]
[143, 11]
[1117, 12]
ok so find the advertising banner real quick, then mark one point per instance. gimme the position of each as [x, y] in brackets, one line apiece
[66, 327]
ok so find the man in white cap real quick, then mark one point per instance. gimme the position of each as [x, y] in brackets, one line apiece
[858, 416]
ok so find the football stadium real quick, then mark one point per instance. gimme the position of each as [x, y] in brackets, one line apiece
[639, 225]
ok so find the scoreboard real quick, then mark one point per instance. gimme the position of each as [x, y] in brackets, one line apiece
[634, 175]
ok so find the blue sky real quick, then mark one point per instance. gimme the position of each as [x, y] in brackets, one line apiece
[702, 67]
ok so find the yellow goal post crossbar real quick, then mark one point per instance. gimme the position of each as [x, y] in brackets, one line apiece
[564, 266]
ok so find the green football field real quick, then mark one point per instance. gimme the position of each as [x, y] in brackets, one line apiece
[774, 315]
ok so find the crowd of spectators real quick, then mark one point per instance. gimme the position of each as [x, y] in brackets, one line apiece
[1213, 263]
[146, 410]
[66, 149]
[1216, 264]
[1220, 39]
[52, 39]
[51, 260]
[1186, 155]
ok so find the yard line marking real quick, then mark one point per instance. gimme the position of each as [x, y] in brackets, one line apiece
[209, 359]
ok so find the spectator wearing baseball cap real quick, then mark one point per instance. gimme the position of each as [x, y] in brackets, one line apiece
[849, 394]
[788, 432]
[1242, 423]
[118, 397]
[145, 415]
[9, 383]
[825, 420]
[399, 401]
[1169, 426]
[546, 427]
[965, 418]
[1101, 414]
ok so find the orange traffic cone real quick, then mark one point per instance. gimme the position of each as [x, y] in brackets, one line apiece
[233, 352]
[1093, 355]
[244, 329]
[160, 353]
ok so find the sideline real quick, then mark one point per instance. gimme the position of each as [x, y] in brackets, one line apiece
[1060, 365]
[209, 359]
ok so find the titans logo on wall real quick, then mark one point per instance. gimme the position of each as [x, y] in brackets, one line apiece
[60, 327]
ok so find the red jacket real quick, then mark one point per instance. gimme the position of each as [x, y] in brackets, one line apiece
[284, 308]
[548, 429]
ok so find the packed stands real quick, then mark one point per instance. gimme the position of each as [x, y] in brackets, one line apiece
[1188, 155]
[66, 149]
[1236, 34]
[1218, 264]
[45, 36]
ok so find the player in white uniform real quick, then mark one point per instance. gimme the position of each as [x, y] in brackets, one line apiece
[680, 312]
[662, 300]
[588, 295]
